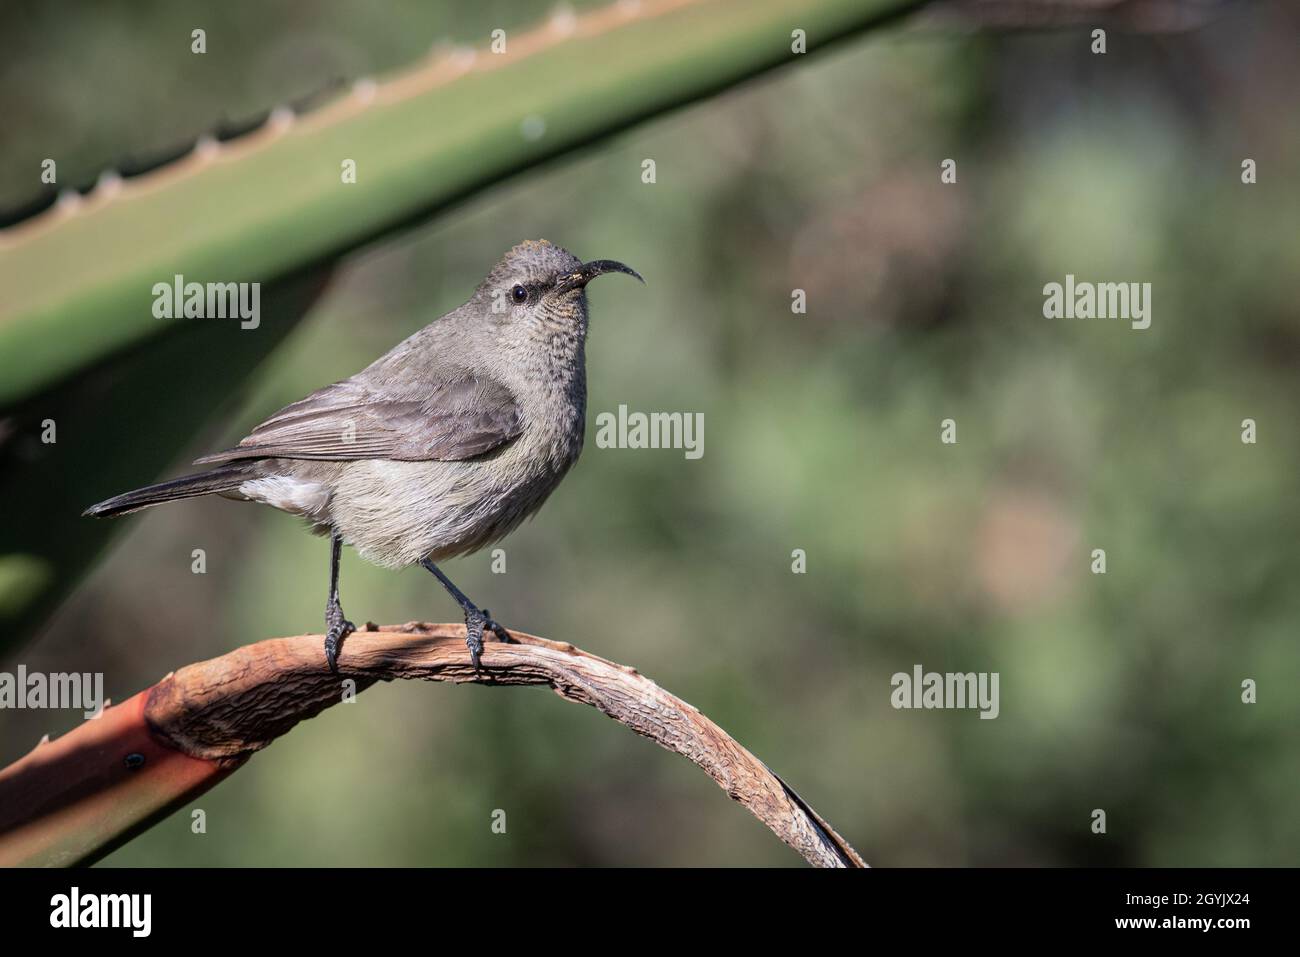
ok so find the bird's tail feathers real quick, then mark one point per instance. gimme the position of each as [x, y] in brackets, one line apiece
[224, 479]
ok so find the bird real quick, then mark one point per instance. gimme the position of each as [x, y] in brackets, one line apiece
[440, 447]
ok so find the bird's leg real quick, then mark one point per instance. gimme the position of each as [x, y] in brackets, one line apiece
[336, 626]
[476, 619]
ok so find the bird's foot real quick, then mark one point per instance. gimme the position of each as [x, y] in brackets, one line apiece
[478, 621]
[336, 629]
[475, 621]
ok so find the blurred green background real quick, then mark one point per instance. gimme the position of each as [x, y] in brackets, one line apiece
[1118, 691]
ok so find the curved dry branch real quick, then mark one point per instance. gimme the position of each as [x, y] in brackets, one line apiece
[153, 753]
[231, 706]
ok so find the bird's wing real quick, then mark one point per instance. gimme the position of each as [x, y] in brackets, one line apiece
[458, 418]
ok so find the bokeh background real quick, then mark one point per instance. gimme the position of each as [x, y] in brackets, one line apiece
[1118, 691]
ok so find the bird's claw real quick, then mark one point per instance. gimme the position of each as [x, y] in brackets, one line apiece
[495, 627]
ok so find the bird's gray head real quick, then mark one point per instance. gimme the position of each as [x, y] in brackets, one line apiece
[540, 288]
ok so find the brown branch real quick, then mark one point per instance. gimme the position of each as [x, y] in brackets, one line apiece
[75, 799]
[225, 709]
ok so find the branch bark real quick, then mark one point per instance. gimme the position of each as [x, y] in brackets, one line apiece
[204, 721]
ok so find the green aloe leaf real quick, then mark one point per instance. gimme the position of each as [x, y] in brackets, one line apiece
[76, 283]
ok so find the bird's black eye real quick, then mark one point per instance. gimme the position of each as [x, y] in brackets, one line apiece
[519, 294]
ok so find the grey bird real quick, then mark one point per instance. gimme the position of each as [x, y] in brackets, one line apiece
[440, 447]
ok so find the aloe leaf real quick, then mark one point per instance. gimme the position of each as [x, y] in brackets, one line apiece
[78, 284]
[79, 342]
[73, 800]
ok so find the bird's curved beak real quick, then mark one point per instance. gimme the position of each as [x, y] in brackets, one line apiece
[589, 271]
